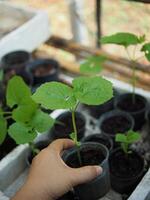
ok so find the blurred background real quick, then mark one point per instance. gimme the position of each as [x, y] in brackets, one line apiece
[116, 15]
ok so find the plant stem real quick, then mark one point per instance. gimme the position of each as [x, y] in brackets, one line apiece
[76, 137]
[133, 82]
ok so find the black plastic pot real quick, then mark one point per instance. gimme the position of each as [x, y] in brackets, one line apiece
[63, 126]
[125, 171]
[100, 138]
[137, 110]
[114, 122]
[44, 70]
[15, 63]
[97, 111]
[91, 154]
[16, 59]
[39, 145]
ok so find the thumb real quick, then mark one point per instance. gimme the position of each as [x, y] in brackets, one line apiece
[85, 174]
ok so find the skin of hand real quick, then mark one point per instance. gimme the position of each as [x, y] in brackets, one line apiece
[49, 177]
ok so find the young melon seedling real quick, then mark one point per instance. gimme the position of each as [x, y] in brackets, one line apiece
[29, 118]
[126, 40]
[86, 90]
[127, 139]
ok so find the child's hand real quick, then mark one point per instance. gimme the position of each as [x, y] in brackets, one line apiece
[50, 177]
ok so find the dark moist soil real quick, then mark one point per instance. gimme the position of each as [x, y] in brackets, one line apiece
[43, 70]
[101, 141]
[88, 157]
[7, 147]
[66, 128]
[125, 166]
[116, 124]
[128, 105]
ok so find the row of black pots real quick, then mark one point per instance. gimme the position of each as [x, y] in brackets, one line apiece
[110, 123]
[124, 102]
[33, 71]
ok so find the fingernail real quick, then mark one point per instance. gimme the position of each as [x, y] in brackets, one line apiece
[98, 170]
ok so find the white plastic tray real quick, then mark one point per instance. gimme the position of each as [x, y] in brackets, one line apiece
[22, 28]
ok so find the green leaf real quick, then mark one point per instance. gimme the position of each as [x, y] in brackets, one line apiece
[133, 136]
[3, 128]
[17, 90]
[92, 90]
[124, 39]
[25, 110]
[21, 133]
[92, 65]
[146, 50]
[121, 138]
[55, 95]
[41, 121]
[72, 136]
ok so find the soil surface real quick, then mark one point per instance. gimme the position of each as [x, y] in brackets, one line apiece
[116, 124]
[88, 157]
[43, 70]
[125, 166]
[128, 105]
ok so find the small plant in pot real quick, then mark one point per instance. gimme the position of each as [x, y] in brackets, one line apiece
[63, 125]
[115, 121]
[133, 103]
[91, 66]
[126, 166]
[28, 118]
[90, 91]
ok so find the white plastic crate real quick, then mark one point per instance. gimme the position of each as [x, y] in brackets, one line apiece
[22, 28]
